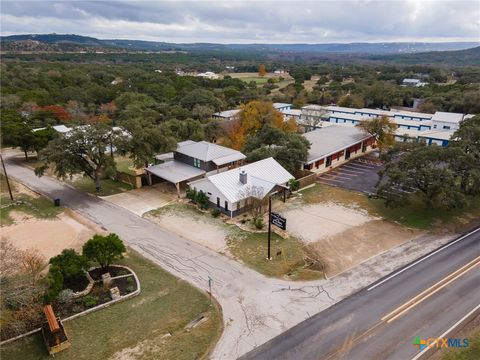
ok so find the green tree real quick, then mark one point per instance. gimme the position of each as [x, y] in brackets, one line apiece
[182, 130]
[16, 133]
[146, 140]
[420, 170]
[382, 129]
[71, 264]
[83, 151]
[351, 100]
[103, 249]
[289, 149]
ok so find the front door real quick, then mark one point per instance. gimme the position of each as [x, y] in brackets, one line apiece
[218, 202]
[226, 205]
[364, 147]
[347, 154]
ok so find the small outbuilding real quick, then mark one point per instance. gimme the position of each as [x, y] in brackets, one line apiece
[53, 332]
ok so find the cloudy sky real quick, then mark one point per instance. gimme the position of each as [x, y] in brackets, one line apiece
[248, 21]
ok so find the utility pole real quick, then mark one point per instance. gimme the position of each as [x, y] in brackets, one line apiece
[8, 182]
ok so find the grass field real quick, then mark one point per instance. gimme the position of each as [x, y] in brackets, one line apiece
[414, 215]
[108, 186]
[125, 165]
[134, 329]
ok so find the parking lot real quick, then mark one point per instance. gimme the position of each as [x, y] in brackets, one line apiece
[359, 174]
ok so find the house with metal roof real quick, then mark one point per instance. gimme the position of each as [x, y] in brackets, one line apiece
[332, 145]
[227, 115]
[230, 190]
[192, 160]
[446, 120]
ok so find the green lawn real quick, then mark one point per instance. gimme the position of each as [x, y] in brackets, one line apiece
[251, 247]
[108, 186]
[165, 304]
[257, 79]
[125, 165]
[414, 215]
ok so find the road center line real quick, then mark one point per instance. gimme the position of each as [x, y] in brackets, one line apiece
[402, 309]
[422, 259]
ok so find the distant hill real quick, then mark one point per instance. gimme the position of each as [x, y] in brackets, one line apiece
[140, 45]
[467, 57]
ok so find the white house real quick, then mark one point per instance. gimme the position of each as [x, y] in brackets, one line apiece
[227, 115]
[229, 190]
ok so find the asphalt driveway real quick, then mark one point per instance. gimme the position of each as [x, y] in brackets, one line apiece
[360, 174]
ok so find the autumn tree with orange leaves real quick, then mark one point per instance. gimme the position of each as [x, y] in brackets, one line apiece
[261, 70]
[252, 118]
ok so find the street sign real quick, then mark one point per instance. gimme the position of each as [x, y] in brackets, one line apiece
[279, 221]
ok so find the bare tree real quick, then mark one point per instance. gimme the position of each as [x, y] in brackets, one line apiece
[254, 198]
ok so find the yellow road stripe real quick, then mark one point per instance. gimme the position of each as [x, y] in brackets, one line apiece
[402, 309]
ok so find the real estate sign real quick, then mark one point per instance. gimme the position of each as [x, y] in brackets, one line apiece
[279, 221]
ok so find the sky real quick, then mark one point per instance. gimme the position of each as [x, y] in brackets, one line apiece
[248, 21]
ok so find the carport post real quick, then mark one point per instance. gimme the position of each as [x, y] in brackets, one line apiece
[177, 185]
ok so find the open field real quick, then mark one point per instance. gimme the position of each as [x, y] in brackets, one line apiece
[309, 84]
[248, 246]
[135, 329]
[248, 77]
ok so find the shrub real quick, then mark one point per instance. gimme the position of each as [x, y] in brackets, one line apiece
[55, 284]
[293, 184]
[202, 200]
[258, 223]
[71, 264]
[90, 301]
[216, 213]
[192, 194]
[66, 296]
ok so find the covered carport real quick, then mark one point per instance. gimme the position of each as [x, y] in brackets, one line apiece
[174, 172]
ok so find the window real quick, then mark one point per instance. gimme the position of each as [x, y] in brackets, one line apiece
[218, 201]
[196, 162]
[446, 127]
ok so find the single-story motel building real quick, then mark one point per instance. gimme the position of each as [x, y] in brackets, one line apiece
[333, 145]
[230, 190]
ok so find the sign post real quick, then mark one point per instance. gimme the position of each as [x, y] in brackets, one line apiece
[210, 286]
[275, 219]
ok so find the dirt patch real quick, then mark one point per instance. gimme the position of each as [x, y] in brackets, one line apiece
[311, 223]
[50, 237]
[201, 231]
[359, 243]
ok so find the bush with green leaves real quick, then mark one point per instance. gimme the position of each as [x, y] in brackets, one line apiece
[202, 200]
[216, 213]
[258, 223]
[104, 249]
[192, 194]
[90, 301]
[55, 284]
[70, 263]
[293, 184]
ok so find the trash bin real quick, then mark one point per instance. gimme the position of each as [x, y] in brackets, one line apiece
[56, 202]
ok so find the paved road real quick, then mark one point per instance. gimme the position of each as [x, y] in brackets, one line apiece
[353, 329]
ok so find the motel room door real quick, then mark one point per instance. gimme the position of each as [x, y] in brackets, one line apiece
[328, 162]
[347, 154]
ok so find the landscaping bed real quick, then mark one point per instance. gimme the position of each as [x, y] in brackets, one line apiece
[135, 329]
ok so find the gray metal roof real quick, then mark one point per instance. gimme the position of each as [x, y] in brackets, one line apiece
[331, 139]
[263, 174]
[454, 118]
[206, 151]
[175, 171]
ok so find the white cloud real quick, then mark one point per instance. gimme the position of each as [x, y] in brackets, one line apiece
[249, 21]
